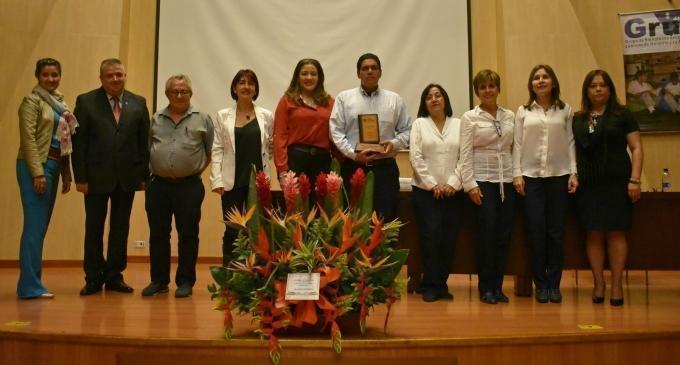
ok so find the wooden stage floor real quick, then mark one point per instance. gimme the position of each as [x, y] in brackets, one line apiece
[113, 328]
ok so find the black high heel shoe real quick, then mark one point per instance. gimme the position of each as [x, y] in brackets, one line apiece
[599, 299]
[616, 302]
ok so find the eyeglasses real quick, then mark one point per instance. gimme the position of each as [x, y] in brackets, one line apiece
[180, 92]
[497, 124]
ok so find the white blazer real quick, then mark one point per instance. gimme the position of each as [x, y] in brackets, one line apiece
[222, 167]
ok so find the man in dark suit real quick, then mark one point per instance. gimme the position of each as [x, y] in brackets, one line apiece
[110, 161]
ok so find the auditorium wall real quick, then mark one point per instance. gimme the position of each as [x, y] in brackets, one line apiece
[510, 36]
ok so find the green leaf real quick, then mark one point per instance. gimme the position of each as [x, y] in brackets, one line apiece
[219, 274]
[253, 224]
[397, 260]
[275, 357]
[335, 166]
[366, 202]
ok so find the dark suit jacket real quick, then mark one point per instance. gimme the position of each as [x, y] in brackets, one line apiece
[106, 153]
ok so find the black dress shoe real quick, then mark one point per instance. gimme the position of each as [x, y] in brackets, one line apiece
[183, 291]
[430, 295]
[542, 295]
[555, 296]
[488, 298]
[90, 289]
[444, 294]
[119, 286]
[154, 289]
[500, 297]
[616, 302]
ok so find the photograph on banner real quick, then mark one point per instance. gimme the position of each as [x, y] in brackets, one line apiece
[651, 56]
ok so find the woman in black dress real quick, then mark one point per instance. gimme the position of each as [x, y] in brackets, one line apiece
[609, 178]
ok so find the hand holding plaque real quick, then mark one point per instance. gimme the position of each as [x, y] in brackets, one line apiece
[369, 133]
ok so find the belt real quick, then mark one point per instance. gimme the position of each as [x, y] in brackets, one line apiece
[311, 150]
[175, 180]
[376, 162]
[54, 153]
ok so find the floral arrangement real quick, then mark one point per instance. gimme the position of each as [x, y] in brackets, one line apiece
[350, 248]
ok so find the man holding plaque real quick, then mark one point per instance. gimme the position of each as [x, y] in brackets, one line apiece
[369, 125]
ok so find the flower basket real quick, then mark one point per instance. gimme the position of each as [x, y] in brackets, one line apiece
[350, 249]
[348, 322]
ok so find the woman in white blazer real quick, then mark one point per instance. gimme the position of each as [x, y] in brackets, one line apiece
[243, 138]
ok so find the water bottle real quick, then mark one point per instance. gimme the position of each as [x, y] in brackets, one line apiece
[666, 180]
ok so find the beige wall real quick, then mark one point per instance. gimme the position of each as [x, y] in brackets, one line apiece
[509, 36]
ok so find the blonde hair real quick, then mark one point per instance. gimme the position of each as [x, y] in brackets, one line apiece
[484, 76]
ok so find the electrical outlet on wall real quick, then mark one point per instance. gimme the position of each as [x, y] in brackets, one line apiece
[140, 244]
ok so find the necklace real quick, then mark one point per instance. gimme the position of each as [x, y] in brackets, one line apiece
[592, 122]
[309, 101]
[245, 114]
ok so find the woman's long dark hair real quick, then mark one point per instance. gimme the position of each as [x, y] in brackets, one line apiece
[554, 93]
[613, 104]
[293, 92]
[422, 109]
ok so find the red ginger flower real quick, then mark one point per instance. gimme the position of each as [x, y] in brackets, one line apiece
[305, 186]
[264, 193]
[333, 184]
[291, 190]
[357, 183]
[321, 188]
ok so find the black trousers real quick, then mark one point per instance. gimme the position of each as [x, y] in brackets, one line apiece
[235, 198]
[181, 199]
[545, 207]
[438, 224]
[386, 192]
[99, 270]
[494, 227]
[307, 160]
[311, 162]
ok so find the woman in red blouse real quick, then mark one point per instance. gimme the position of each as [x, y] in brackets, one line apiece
[301, 138]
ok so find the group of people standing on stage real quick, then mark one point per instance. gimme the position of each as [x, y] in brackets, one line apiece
[543, 153]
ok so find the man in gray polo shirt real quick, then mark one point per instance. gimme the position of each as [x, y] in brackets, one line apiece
[180, 141]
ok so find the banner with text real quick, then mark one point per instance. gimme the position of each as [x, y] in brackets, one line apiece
[651, 49]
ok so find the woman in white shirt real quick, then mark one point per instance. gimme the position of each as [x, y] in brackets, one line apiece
[243, 137]
[433, 150]
[544, 171]
[486, 170]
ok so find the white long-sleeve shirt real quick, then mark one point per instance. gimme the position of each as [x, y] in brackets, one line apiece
[394, 122]
[435, 155]
[544, 142]
[485, 155]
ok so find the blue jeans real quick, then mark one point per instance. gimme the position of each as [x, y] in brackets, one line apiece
[545, 207]
[438, 224]
[494, 227]
[37, 213]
